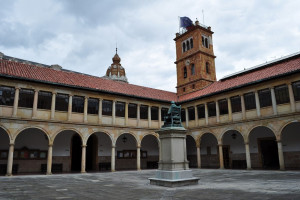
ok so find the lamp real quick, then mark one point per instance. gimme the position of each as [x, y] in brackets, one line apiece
[233, 135]
[124, 139]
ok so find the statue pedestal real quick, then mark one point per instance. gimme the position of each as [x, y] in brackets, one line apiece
[173, 168]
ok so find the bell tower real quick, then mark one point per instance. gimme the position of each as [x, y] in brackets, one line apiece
[195, 59]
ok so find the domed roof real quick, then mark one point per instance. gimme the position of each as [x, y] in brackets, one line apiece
[116, 59]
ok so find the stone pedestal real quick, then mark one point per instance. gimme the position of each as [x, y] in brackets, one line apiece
[173, 167]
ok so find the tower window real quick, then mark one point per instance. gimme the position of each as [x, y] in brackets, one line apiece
[184, 72]
[183, 89]
[193, 69]
[207, 68]
[187, 45]
[183, 47]
[192, 44]
[193, 86]
[205, 42]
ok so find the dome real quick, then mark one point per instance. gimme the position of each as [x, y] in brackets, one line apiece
[116, 59]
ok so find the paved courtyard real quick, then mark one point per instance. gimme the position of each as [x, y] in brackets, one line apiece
[213, 184]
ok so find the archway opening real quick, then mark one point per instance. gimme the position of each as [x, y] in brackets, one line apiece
[191, 151]
[234, 154]
[149, 152]
[91, 153]
[103, 157]
[290, 138]
[126, 152]
[209, 151]
[263, 148]
[31, 150]
[4, 148]
[76, 153]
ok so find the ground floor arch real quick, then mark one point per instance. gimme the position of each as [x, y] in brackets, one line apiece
[209, 151]
[104, 149]
[126, 152]
[4, 150]
[149, 152]
[191, 151]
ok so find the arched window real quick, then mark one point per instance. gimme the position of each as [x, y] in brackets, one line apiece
[193, 69]
[207, 68]
[184, 72]
[183, 47]
[206, 43]
[187, 45]
[192, 44]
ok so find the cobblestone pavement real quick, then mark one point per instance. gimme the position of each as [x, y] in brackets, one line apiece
[213, 184]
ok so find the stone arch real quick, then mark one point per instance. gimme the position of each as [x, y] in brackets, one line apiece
[105, 132]
[7, 132]
[68, 129]
[33, 127]
[138, 142]
[284, 126]
[256, 126]
[231, 129]
[209, 150]
[154, 134]
[191, 150]
[149, 151]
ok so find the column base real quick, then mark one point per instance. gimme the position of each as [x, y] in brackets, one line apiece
[48, 173]
[113, 170]
[249, 168]
[8, 174]
[83, 172]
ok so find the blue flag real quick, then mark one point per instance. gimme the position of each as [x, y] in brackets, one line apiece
[185, 22]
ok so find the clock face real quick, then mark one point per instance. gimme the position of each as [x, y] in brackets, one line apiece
[187, 62]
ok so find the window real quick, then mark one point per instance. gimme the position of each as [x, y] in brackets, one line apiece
[26, 98]
[62, 102]
[154, 113]
[296, 90]
[132, 110]
[183, 115]
[77, 104]
[144, 112]
[249, 101]
[183, 47]
[282, 94]
[265, 99]
[236, 105]
[201, 111]
[164, 112]
[193, 86]
[207, 68]
[7, 96]
[183, 89]
[193, 69]
[93, 106]
[187, 45]
[44, 100]
[205, 41]
[192, 43]
[107, 107]
[184, 72]
[223, 106]
[120, 109]
[191, 112]
[211, 106]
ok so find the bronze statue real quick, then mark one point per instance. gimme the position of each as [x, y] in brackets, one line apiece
[173, 118]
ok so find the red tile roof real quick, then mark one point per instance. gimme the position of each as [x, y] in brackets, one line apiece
[69, 78]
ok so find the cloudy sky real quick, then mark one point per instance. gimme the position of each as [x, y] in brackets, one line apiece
[81, 35]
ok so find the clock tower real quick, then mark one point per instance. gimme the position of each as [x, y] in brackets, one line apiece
[195, 59]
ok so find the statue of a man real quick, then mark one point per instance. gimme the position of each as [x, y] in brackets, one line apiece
[173, 118]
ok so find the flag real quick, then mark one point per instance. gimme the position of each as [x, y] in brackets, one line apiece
[185, 22]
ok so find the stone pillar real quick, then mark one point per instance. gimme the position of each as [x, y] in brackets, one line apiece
[243, 107]
[217, 112]
[198, 156]
[149, 116]
[280, 155]
[49, 160]
[114, 112]
[138, 115]
[100, 112]
[229, 109]
[206, 113]
[126, 113]
[138, 158]
[248, 158]
[159, 117]
[10, 159]
[70, 108]
[274, 104]
[35, 102]
[196, 116]
[292, 98]
[221, 155]
[83, 159]
[113, 158]
[85, 110]
[186, 117]
[257, 103]
[53, 105]
[16, 102]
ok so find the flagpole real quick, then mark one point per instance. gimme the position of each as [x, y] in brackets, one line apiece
[178, 24]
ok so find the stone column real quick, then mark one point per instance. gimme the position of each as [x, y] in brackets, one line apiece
[35, 102]
[16, 102]
[229, 109]
[248, 158]
[280, 155]
[85, 110]
[186, 117]
[149, 116]
[113, 158]
[198, 156]
[10, 159]
[292, 98]
[83, 159]
[217, 112]
[53, 105]
[138, 115]
[114, 112]
[100, 112]
[206, 113]
[126, 113]
[221, 155]
[196, 116]
[138, 158]
[159, 117]
[70, 108]
[49, 160]
[257, 103]
[274, 104]
[243, 107]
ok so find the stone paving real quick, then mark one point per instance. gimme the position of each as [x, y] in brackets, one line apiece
[213, 184]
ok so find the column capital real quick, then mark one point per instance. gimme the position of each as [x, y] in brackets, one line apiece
[70, 95]
[86, 97]
[246, 143]
[220, 144]
[278, 140]
[84, 145]
[198, 145]
[113, 146]
[54, 92]
[138, 146]
[11, 144]
[50, 145]
[36, 90]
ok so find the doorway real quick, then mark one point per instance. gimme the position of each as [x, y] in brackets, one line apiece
[76, 153]
[91, 153]
[226, 158]
[269, 154]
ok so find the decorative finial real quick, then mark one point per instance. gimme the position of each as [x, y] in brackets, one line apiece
[116, 48]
